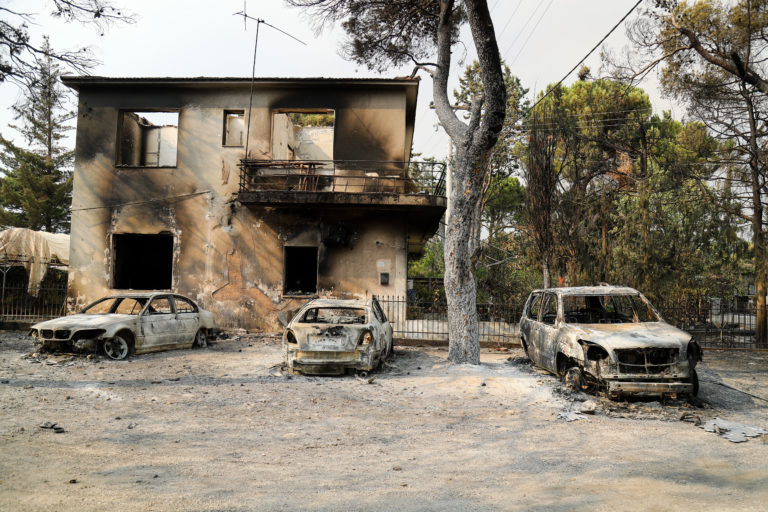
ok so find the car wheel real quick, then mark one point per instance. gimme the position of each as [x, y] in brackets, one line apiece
[694, 379]
[119, 347]
[573, 378]
[201, 339]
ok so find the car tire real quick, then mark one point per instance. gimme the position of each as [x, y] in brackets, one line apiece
[573, 378]
[118, 347]
[201, 339]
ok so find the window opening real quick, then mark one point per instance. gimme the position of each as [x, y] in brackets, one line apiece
[183, 305]
[549, 310]
[160, 306]
[234, 128]
[303, 135]
[148, 139]
[533, 310]
[334, 316]
[142, 262]
[300, 270]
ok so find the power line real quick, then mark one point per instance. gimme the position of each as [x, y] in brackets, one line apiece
[532, 31]
[525, 25]
[586, 56]
[510, 18]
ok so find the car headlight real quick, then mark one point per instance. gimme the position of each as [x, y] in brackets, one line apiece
[365, 338]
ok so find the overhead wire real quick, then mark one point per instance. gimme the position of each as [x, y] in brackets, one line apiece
[531, 33]
[589, 53]
[525, 25]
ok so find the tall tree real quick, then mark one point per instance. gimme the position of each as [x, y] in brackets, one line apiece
[713, 57]
[402, 31]
[35, 185]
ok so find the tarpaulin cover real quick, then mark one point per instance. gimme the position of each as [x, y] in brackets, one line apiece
[35, 250]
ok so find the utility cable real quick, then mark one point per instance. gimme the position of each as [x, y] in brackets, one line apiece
[583, 58]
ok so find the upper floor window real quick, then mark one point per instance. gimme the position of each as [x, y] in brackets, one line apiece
[148, 139]
[303, 134]
[234, 128]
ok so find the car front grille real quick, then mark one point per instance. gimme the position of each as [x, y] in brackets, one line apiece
[649, 361]
[58, 334]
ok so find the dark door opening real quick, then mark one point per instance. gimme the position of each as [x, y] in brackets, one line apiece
[300, 270]
[143, 262]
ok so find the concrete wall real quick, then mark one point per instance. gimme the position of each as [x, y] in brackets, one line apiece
[227, 256]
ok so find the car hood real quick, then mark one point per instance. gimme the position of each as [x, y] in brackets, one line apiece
[84, 321]
[640, 335]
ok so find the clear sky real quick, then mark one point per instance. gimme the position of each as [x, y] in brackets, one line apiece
[540, 41]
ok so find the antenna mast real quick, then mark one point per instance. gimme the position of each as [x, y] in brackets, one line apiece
[259, 22]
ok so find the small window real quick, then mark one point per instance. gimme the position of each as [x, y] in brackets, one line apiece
[129, 306]
[549, 309]
[300, 270]
[379, 312]
[303, 134]
[160, 306]
[234, 128]
[332, 315]
[148, 139]
[184, 305]
[142, 262]
[533, 309]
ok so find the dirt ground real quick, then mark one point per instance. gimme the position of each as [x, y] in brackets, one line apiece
[222, 429]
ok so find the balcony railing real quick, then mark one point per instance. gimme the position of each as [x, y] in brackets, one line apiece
[344, 176]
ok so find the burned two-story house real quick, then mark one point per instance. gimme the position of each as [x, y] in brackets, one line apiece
[249, 196]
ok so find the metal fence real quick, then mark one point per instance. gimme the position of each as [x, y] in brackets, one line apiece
[715, 324]
[19, 304]
[428, 320]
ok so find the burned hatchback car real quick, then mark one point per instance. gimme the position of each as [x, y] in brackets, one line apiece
[610, 338]
[329, 336]
[122, 325]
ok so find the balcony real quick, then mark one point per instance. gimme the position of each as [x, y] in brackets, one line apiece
[398, 185]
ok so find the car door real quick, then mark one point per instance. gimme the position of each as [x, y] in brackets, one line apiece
[528, 323]
[547, 331]
[188, 318]
[386, 327]
[159, 322]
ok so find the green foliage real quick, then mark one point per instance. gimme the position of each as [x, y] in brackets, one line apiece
[34, 192]
[313, 119]
[431, 263]
[36, 184]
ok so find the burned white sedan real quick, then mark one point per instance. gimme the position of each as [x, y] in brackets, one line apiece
[329, 336]
[122, 325]
[609, 338]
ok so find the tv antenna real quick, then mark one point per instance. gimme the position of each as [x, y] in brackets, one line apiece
[259, 22]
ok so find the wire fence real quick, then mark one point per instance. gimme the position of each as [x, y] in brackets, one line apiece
[20, 304]
[714, 324]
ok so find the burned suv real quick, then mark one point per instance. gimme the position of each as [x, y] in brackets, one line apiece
[610, 338]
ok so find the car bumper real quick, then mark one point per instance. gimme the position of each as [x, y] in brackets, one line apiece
[329, 363]
[648, 388]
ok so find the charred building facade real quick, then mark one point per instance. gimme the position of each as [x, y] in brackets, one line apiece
[249, 197]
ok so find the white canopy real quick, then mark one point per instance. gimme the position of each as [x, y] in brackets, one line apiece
[35, 250]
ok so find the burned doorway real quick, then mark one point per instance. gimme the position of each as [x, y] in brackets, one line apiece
[300, 267]
[142, 262]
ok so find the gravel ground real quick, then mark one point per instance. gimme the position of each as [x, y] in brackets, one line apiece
[222, 429]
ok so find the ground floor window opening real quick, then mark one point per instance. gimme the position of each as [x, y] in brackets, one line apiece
[142, 262]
